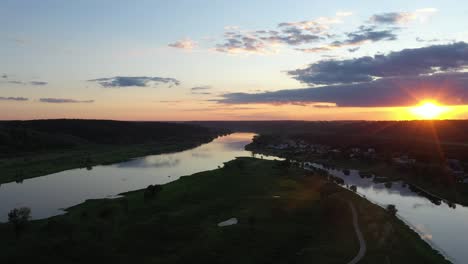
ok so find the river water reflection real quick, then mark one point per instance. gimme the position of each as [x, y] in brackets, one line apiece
[444, 227]
[48, 194]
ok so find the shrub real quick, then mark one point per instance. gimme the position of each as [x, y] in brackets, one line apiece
[19, 217]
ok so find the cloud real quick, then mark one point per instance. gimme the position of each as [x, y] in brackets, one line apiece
[408, 62]
[170, 101]
[242, 43]
[363, 34]
[262, 41]
[198, 88]
[449, 88]
[316, 49]
[64, 101]
[217, 108]
[316, 31]
[403, 17]
[13, 98]
[286, 33]
[400, 78]
[16, 82]
[143, 81]
[353, 49]
[4, 76]
[38, 83]
[391, 18]
[418, 39]
[186, 44]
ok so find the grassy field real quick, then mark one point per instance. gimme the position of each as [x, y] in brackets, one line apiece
[286, 215]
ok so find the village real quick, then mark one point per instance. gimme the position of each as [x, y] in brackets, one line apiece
[366, 155]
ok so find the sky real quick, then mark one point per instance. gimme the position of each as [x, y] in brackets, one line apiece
[232, 60]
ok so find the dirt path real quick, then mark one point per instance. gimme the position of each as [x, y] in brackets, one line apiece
[362, 242]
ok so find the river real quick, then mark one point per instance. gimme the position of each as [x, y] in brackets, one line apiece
[444, 227]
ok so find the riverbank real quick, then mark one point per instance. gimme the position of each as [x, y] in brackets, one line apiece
[457, 193]
[48, 162]
[285, 215]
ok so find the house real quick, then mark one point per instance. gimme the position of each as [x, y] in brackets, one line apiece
[455, 168]
[403, 161]
[355, 150]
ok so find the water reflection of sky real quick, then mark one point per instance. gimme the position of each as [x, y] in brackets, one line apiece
[46, 195]
[444, 227]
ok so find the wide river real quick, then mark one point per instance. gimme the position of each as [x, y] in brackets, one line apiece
[444, 227]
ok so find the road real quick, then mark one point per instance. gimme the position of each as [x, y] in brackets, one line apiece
[362, 242]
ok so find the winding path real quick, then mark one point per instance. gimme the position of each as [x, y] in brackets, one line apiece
[362, 242]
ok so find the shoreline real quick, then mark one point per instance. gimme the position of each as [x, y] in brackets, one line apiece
[41, 164]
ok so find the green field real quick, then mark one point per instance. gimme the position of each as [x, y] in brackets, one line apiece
[286, 215]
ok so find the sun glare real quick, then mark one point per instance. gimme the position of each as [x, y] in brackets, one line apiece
[428, 110]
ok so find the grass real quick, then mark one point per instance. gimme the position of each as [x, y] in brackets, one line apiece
[284, 217]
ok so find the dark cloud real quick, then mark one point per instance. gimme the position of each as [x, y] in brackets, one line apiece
[142, 81]
[261, 41]
[64, 101]
[201, 93]
[4, 76]
[38, 83]
[358, 37]
[448, 88]
[290, 35]
[408, 62]
[390, 18]
[13, 98]
[366, 34]
[353, 49]
[237, 42]
[199, 88]
[398, 79]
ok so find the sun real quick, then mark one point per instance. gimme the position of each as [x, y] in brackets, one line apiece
[428, 110]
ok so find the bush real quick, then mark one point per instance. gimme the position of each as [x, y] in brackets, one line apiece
[391, 209]
[19, 217]
[151, 192]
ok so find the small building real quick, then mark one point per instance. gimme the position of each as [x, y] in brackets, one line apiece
[403, 161]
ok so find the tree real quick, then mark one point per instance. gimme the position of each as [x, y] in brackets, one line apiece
[391, 209]
[151, 192]
[19, 217]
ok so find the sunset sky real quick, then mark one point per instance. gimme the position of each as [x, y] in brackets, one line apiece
[233, 60]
